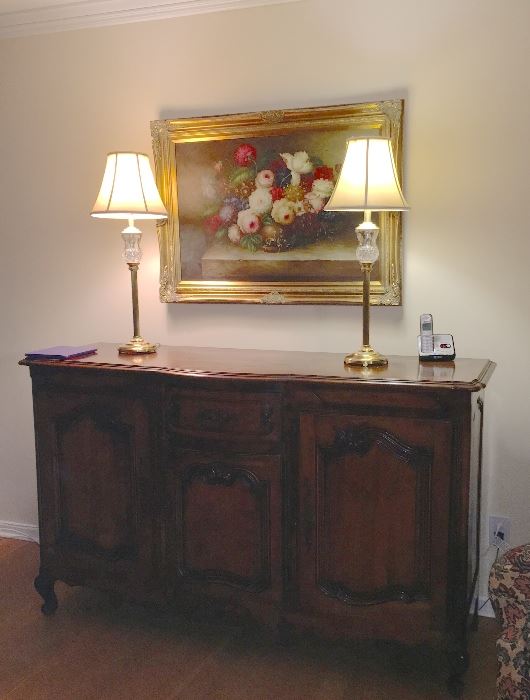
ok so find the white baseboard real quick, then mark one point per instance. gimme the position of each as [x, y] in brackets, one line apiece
[19, 531]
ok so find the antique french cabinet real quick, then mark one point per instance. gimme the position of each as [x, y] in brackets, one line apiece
[336, 499]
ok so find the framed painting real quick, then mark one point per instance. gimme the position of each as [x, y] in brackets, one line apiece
[245, 196]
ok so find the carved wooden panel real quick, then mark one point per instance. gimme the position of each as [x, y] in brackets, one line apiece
[227, 512]
[95, 460]
[96, 474]
[379, 488]
[367, 509]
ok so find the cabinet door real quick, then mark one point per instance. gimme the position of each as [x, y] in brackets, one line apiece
[225, 524]
[373, 521]
[94, 462]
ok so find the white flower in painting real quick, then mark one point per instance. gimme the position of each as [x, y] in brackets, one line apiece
[265, 178]
[298, 163]
[247, 221]
[314, 201]
[322, 188]
[283, 211]
[260, 201]
[234, 233]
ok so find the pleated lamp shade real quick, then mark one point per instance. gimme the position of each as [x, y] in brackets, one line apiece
[128, 189]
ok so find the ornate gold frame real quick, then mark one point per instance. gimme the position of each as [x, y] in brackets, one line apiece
[381, 118]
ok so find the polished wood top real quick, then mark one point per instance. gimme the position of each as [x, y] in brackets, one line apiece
[463, 373]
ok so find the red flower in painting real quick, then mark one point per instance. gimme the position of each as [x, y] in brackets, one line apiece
[245, 154]
[307, 182]
[213, 223]
[323, 172]
[276, 193]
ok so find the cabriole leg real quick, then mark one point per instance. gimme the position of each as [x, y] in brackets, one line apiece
[44, 584]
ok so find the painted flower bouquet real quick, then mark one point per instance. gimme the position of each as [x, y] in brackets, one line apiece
[273, 203]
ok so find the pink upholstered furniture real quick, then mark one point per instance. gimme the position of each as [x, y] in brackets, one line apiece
[509, 587]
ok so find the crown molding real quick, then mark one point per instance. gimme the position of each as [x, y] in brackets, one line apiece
[65, 16]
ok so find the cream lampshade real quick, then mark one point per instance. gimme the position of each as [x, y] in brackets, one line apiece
[128, 191]
[368, 178]
[368, 182]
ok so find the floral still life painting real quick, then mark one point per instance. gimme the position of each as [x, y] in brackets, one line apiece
[270, 205]
[246, 197]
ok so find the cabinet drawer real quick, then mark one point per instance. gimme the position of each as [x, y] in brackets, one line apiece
[230, 415]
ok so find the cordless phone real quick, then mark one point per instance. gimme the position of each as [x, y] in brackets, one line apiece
[426, 335]
[434, 346]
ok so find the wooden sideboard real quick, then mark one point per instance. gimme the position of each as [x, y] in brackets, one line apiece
[341, 500]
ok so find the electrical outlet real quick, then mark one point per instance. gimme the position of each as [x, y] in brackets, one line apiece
[499, 530]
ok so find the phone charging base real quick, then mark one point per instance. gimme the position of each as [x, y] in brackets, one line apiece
[443, 348]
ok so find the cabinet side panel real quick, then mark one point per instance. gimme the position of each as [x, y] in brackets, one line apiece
[475, 484]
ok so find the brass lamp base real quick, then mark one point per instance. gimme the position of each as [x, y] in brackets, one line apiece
[137, 346]
[365, 357]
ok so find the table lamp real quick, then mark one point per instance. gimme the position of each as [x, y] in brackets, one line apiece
[128, 191]
[368, 182]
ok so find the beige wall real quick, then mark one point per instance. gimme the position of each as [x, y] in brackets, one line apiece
[462, 67]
